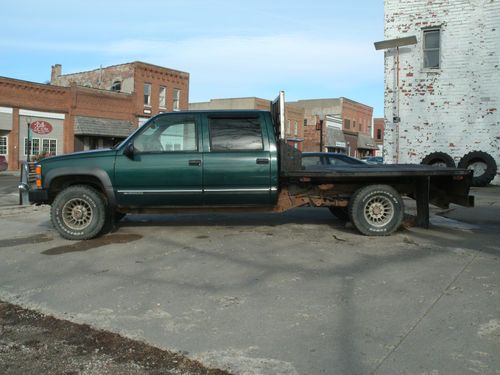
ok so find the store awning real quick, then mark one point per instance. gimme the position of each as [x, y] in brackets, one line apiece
[366, 142]
[335, 138]
[102, 127]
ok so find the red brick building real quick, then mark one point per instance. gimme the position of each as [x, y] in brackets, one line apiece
[337, 125]
[378, 134]
[84, 110]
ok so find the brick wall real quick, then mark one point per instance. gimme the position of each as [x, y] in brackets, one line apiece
[453, 109]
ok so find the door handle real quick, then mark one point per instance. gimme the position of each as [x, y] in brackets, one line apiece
[262, 161]
[195, 163]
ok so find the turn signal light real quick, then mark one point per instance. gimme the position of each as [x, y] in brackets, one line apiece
[38, 183]
[38, 170]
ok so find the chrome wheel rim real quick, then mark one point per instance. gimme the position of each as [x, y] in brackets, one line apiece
[77, 214]
[379, 211]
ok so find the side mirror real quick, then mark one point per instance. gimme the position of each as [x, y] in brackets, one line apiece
[129, 150]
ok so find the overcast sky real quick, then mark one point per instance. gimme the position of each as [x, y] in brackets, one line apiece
[310, 49]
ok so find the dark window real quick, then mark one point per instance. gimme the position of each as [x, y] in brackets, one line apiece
[379, 134]
[116, 86]
[347, 123]
[305, 122]
[431, 48]
[231, 134]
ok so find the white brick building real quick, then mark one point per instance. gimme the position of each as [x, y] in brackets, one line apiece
[449, 82]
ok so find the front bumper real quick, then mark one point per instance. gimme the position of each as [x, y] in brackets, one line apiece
[38, 196]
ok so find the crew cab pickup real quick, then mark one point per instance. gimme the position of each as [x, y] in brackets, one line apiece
[227, 161]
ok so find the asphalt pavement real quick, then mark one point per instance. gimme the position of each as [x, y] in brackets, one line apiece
[9, 195]
[292, 293]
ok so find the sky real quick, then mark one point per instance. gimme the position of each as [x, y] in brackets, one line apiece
[309, 49]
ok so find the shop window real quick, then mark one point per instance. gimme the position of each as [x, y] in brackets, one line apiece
[49, 146]
[147, 94]
[116, 86]
[163, 92]
[3, 146]
[176, 99]
[431, 48]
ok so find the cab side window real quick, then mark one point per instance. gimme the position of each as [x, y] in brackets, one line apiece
[235, 134]
[168, 135]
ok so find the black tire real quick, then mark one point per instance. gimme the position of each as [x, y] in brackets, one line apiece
[439, 159]
[483, 166]
[342, 213]
[78, 212]
[376, 210]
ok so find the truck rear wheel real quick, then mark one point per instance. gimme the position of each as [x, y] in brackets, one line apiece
[483, 166]
[78, 212]
[376, 210]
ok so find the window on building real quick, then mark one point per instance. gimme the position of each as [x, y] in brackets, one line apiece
[379, 133]
[347, 123]
[431, 48]
[288, 127]
[177, 99]
[305, 122]
[49, 146]
[163, 92]
[147, 94]
[3, 146]
[295, 128]
[239, 134]
[116, 86]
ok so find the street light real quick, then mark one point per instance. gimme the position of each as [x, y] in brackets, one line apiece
[389, 44]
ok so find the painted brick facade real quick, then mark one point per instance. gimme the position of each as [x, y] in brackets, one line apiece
[455, 108]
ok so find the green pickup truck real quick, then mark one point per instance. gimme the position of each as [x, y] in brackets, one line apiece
[228, 161]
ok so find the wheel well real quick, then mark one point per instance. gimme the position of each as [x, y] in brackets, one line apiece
[62, 182]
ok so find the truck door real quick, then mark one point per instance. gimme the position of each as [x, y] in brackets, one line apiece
[166, 166]
[236, 161]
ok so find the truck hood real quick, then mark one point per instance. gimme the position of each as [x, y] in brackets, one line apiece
[80, 155]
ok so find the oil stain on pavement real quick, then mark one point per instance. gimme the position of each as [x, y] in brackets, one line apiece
[37, 238]
[93, 243]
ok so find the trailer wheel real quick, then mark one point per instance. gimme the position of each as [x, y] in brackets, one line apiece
[376, 210]
[78, 212]
[439, 159]
[483, 166]
[342, 213]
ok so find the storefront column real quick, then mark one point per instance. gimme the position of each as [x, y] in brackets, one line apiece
[13, 140]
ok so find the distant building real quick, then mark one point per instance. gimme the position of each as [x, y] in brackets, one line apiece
[378, 135]
[448, 97]
[84, 110]
[294, 127]
[337, 125]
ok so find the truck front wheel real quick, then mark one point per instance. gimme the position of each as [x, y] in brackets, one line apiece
[78, 212]
[376, 210]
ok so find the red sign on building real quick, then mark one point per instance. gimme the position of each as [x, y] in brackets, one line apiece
[41, 127]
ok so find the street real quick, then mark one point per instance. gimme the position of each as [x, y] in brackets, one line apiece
[9, 195]
[292, 293]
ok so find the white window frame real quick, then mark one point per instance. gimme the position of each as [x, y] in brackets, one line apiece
[424, 50]
[295, 128]
[41, 141]
[6, 145]
[147, 102]
[162, 99]
[176, 99]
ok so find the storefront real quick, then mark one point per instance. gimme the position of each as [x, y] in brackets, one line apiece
[93, 132]
[5, 129]
[366, 145]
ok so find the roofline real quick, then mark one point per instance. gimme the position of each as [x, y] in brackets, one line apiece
[124, 64]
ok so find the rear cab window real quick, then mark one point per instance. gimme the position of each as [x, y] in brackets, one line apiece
[235, 134]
